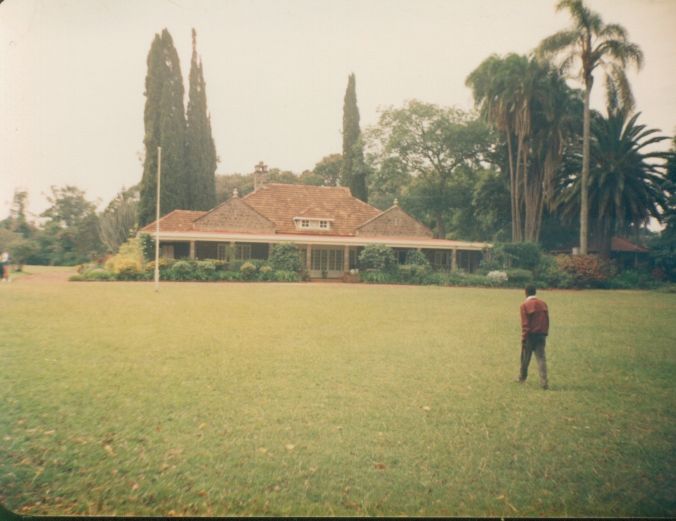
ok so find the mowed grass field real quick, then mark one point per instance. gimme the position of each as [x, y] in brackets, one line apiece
[331, 399]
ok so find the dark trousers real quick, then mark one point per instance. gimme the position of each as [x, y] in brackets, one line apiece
[534, 344]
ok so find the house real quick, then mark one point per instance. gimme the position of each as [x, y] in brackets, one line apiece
[327, 224]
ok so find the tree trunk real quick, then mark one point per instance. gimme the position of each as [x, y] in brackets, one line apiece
[584, 181]
[441, 229]
[512, 187]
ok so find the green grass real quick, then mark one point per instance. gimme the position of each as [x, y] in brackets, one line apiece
[329, 399]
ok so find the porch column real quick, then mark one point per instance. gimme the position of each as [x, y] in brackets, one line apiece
[192, 250]
[308, 257]
[454, 259]
[346, 259]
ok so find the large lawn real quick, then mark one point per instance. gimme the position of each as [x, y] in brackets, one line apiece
[331, 399]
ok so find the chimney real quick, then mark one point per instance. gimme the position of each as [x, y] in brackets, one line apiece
[260, 175]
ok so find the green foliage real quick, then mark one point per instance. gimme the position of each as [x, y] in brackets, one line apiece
[119, 220]
[128, 263]
[165, 126]
[329, 168]
[377, 257]
[70, 234]
[200, 152]
[285, 257]
[427, 148]
[525, 255]
[353, 172]
[417, 258]
[248, 270]
[519, 276]
[182, 270]
[632, 279]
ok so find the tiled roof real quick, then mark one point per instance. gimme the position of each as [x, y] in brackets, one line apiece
[281, 203]
[176, 221]
[620, 244]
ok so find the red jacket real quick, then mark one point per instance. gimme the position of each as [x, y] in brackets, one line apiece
[534, 317]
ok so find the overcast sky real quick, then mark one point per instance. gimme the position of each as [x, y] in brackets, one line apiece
[72, 75]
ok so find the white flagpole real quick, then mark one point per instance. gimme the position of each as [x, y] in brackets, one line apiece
[157, 222]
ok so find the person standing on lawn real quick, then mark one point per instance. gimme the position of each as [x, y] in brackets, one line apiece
[4, 266]
[534, 331]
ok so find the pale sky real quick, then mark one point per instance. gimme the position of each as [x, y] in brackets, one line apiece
[72, 75]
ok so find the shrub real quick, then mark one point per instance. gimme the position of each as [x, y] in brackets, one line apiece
[519, 277]
[586, 271]
[285, 257]
[631, 279]
[417, 258]
[524, 255]
[266, 273]
[377, 257]
[497, 276]
[128, 262]
[549, 275]
[228, 275]
[378, 277]
[248, 270]
[182, 270]
[98, 274]
[204, 270]
[286, 276]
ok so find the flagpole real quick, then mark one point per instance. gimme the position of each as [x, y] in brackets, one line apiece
[157, 222]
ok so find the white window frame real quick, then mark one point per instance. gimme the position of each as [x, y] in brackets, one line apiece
[313, 223]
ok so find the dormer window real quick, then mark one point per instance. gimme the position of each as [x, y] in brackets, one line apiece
[303, 223]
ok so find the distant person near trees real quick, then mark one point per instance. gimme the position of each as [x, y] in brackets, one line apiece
[534, 330]
[4, 263]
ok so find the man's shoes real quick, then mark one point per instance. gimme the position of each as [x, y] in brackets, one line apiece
[519, 381]
[545, 387]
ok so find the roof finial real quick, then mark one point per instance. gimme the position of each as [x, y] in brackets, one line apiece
[396, 201]
[235, 193]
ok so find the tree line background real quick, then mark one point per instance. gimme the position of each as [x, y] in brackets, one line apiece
[531, 163]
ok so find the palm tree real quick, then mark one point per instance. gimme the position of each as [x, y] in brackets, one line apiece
[592, 44]
[498, 88]
[626, 185]
[529, 102]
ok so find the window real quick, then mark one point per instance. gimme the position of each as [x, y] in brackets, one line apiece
[327, 260]
[242, 251]
[167, 251]
[312, 224]
[221, 251]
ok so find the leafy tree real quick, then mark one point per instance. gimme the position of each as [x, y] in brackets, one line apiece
[119, 220]
[431, 144]
[17, 220]
[285, 257]
[626, 185]
[529, 104]
[165, 126]
[226, 185]
[353, 169]
[592, 44]
[70, 234]
[201, 156]
[329, 168]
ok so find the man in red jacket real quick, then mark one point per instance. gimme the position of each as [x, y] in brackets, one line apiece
[534, 330]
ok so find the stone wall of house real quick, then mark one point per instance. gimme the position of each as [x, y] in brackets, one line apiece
[236, 216]
[395, 222]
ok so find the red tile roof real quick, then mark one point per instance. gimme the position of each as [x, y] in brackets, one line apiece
[281, 203]
[175, 221]
[620, 244]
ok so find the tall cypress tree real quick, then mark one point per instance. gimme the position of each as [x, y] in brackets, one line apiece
[201, 156]
[164, 118]
[353, 173]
